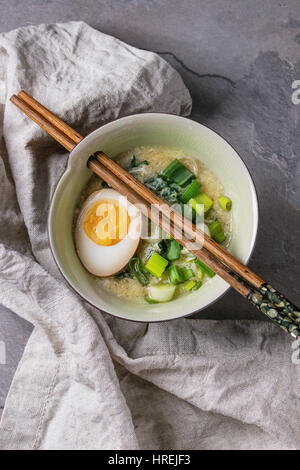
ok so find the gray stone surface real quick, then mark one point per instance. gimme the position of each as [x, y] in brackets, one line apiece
[239, 59]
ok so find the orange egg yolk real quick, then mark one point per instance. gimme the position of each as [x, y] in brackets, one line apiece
[106, 222]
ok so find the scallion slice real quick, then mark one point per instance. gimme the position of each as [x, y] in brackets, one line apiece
[156, 264]
[191, 191]
[225, 203]
[200, 273]
[205, 268]
[178, 173]
[196, 287]
[216, 232]
[201, 199]
[188, 212]
[175, 275]
[171, 169]
[150, 301]
[183, 176]
[160, 293]
[186, 273]
[192, 285]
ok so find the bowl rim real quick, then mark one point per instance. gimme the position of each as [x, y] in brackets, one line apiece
[68, 169]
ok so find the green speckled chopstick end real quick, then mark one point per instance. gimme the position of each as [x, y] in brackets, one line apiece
[277, 307]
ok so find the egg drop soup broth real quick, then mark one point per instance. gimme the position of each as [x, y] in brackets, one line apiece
[158, 159]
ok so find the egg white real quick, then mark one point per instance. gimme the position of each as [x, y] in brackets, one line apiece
[105, 261]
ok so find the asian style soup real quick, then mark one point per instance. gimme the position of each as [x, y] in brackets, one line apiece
[108, 229]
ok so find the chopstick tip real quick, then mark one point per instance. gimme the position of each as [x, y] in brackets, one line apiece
[13, 98]
[90, 159]
[22, 93]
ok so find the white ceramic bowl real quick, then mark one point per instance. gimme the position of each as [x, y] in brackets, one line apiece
[122, 135]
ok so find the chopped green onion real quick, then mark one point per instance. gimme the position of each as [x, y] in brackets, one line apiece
[156, 264]
[198, 284]
[188, 212]
[170, 249]
[225, 203]
[203, 199]
[173, 250]
[171, 169]
[186, 273]
[215, 227]
[220, 237]
[216, 232]
[135, 267]
[191, 191]
[205, 268]
[161, 293]
[189, 285]
[192, 286]
[200, 273]
[175, 275]
[183, 176]
[178, 173]
[150, 301]
[195, 206]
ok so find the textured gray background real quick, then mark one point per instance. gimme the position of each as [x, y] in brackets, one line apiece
[239, 59]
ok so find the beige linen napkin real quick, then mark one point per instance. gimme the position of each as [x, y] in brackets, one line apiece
[87, 380]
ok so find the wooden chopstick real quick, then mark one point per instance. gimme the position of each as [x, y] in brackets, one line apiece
[267, 299]
[164, 222]
[217, 250]
[69, 138]
[55, 130]
[70, 133]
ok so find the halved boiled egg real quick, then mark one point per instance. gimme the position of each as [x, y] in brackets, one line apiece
[107, 233]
